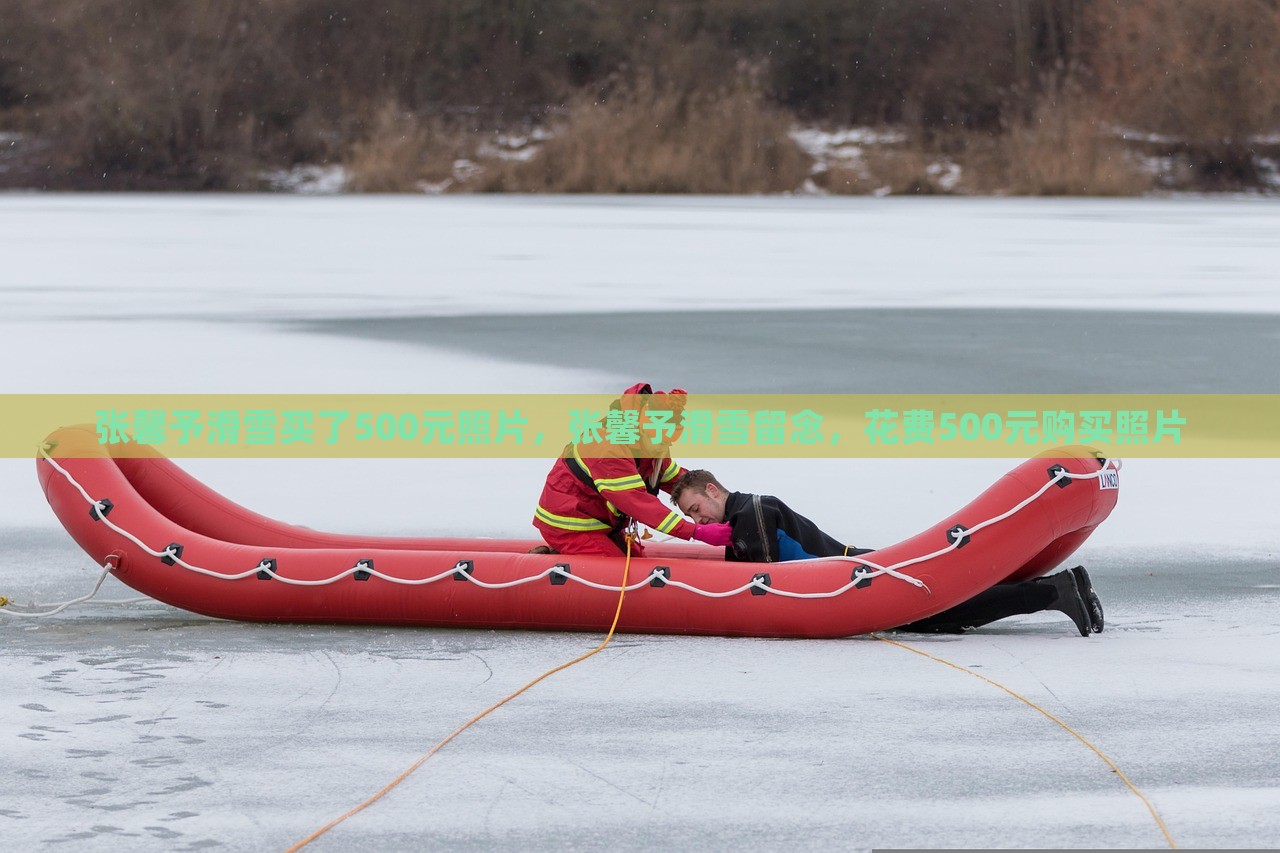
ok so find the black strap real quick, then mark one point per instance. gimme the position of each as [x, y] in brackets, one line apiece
[580, 471]
[577, 468]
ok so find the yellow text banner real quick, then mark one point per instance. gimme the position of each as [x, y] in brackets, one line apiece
[706, 425]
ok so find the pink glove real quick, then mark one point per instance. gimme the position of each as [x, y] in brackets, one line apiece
[720, 535]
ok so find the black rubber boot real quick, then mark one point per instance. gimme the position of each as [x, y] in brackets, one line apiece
[1069, 600]
[1091, 600]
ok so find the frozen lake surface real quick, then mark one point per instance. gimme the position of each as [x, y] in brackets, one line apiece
[181, 732]
[144, 726]
[882, 350]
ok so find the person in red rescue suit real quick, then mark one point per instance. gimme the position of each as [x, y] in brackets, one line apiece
[594, 490]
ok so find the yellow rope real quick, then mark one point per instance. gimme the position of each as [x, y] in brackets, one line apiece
[626, 568]
[1051, 716]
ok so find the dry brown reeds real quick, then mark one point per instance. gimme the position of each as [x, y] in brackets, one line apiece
[897, 169]
[645, 137]
[1062, 149]
[153, 94]
[401, 152]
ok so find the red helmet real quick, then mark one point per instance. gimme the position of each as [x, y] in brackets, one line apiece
[635, 396]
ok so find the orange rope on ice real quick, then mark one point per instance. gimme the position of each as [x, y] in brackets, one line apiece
[626, 567]
[1080, 737]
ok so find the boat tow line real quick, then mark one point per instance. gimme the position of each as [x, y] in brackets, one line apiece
[1115, 769]
[622, 592]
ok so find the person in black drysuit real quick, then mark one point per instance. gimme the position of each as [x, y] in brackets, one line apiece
[766, 530]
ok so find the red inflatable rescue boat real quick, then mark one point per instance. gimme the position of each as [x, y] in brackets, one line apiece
[168, 536]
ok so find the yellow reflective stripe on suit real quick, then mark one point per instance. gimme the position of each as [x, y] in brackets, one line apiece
[566, 522]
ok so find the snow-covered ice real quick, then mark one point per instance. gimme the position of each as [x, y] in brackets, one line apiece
[277, 257]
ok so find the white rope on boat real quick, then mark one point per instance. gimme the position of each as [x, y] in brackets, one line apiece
[6, 607]
[463, 568]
